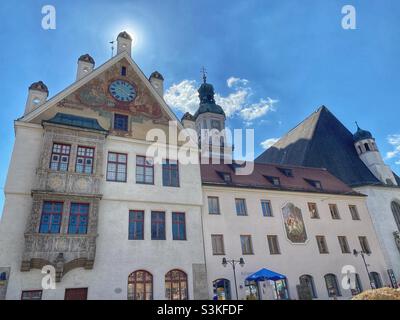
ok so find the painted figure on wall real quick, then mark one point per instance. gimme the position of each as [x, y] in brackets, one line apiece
[294, 224]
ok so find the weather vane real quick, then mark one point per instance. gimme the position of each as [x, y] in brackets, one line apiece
[112, 48]
[204, 73]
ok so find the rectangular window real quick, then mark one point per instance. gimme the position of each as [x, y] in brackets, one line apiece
[247, 245]
[241, 209]
[344, 245]
[51, 217]
[266, 208]
[213, 205]
[136, 225]
[170, 173]
[217, 242]
[31, 295]
[354, 212]
[120, 122]
[178, 226]
[273, 244]
[116, 167]
[144, 170]
[78, 218]
[60, 157]
[157, 225]
[364, 245]
[84, 160]
[312, 208]
[123, 71]
[334, 211]
[76, 294]
[322, 246]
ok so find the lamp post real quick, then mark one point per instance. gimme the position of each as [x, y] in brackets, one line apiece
[362, 253]
[233, 263]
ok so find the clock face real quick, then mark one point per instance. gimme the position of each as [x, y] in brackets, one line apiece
[122, 91]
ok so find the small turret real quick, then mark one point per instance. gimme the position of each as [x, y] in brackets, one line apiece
[157, 81]
[37, 95]
[368, 152]
[124, 43]
[85, 66]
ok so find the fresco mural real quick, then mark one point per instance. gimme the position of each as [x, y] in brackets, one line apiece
[111, 92]
[294, 224]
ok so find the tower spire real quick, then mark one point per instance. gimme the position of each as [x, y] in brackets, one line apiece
[204, 73]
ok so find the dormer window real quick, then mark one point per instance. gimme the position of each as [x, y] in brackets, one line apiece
[273, 180]
[315, 183]
[123, 71]
[226, 176]
[287, 172]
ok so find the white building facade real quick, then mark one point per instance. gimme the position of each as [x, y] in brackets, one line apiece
[87, 201]
[250, 219]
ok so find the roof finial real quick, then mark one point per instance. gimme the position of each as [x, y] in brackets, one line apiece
[358, 128]
[204, 72]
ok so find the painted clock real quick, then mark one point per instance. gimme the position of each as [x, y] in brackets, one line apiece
[122, 91]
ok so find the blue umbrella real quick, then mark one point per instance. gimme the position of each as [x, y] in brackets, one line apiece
[265, 274]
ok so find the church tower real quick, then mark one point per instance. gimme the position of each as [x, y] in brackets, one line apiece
[209, 123]
[368, 152]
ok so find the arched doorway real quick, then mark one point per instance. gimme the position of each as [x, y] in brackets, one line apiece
[332, 285]
[308, 281]
[176, 286]
[222, 289]
[396, 213]
[140, 285]
[376, 280]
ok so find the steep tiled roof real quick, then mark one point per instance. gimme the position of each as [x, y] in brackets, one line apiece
[321, 141]
[298, 180]
[76, 121]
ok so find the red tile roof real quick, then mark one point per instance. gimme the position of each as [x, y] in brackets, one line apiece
[211, 175]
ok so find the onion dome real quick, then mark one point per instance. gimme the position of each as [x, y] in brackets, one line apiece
[156, 75]
[86, 58]
[361, 134]
[124, 35]
[207, 101]
[39, 86]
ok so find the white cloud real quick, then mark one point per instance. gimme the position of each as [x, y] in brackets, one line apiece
[394, 141]
[257, 110]
[268, 143]
[184, 97]
[233, 81]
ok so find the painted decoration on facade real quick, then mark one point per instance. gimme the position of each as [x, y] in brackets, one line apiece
[294, 224]
[111, 92]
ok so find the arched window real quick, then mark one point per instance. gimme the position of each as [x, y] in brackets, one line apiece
[222, 289]
[332, 285]
[376, 280]
[396, 213]
[308, 281]
[176, 287]
[140, 285]
[357, 285]
[367, 148]
[359, 149]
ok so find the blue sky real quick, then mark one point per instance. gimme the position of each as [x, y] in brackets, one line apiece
[289, 51]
